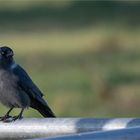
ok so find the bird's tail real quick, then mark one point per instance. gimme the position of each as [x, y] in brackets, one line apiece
[45, 111]
[43, 108]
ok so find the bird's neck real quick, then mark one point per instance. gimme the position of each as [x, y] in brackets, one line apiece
[6, 63]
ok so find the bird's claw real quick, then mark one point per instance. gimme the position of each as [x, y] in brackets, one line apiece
[5, 118]
[17, 118]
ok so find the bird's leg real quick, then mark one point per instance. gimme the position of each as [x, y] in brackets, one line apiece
[19, 116]
[6, 115]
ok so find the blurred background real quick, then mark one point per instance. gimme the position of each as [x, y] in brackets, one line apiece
[84, 55]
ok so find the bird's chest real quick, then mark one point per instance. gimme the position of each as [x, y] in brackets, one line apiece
[7, 81]
[8, 88]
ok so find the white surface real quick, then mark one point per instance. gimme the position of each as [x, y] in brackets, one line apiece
[45, 127]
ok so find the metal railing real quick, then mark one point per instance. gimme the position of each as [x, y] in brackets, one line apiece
[120, 134]
[70, 128]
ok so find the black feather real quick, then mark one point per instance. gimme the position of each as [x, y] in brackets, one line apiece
[44, 109]
[27, 85]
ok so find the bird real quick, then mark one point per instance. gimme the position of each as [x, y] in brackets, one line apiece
[17, 90]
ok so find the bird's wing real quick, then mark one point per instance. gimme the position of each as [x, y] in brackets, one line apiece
[25, 83]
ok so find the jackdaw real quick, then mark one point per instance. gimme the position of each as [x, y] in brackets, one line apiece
[17, 90]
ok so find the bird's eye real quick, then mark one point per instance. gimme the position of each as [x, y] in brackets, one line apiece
[2, 53]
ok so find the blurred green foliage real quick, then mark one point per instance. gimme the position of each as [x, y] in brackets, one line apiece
[84, 55]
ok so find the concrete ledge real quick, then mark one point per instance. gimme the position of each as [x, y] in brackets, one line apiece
[121, 134]
[40, 127]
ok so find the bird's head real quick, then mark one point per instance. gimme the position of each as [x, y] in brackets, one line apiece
[6, 52]
[6, 55]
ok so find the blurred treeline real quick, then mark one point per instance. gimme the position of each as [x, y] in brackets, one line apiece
[68, 14]
[84, 55]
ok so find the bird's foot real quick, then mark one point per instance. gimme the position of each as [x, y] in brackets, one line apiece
[17, 118]
[6, 118]
[11, 119]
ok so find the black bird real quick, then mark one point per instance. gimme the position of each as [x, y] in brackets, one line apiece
[17, 90]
